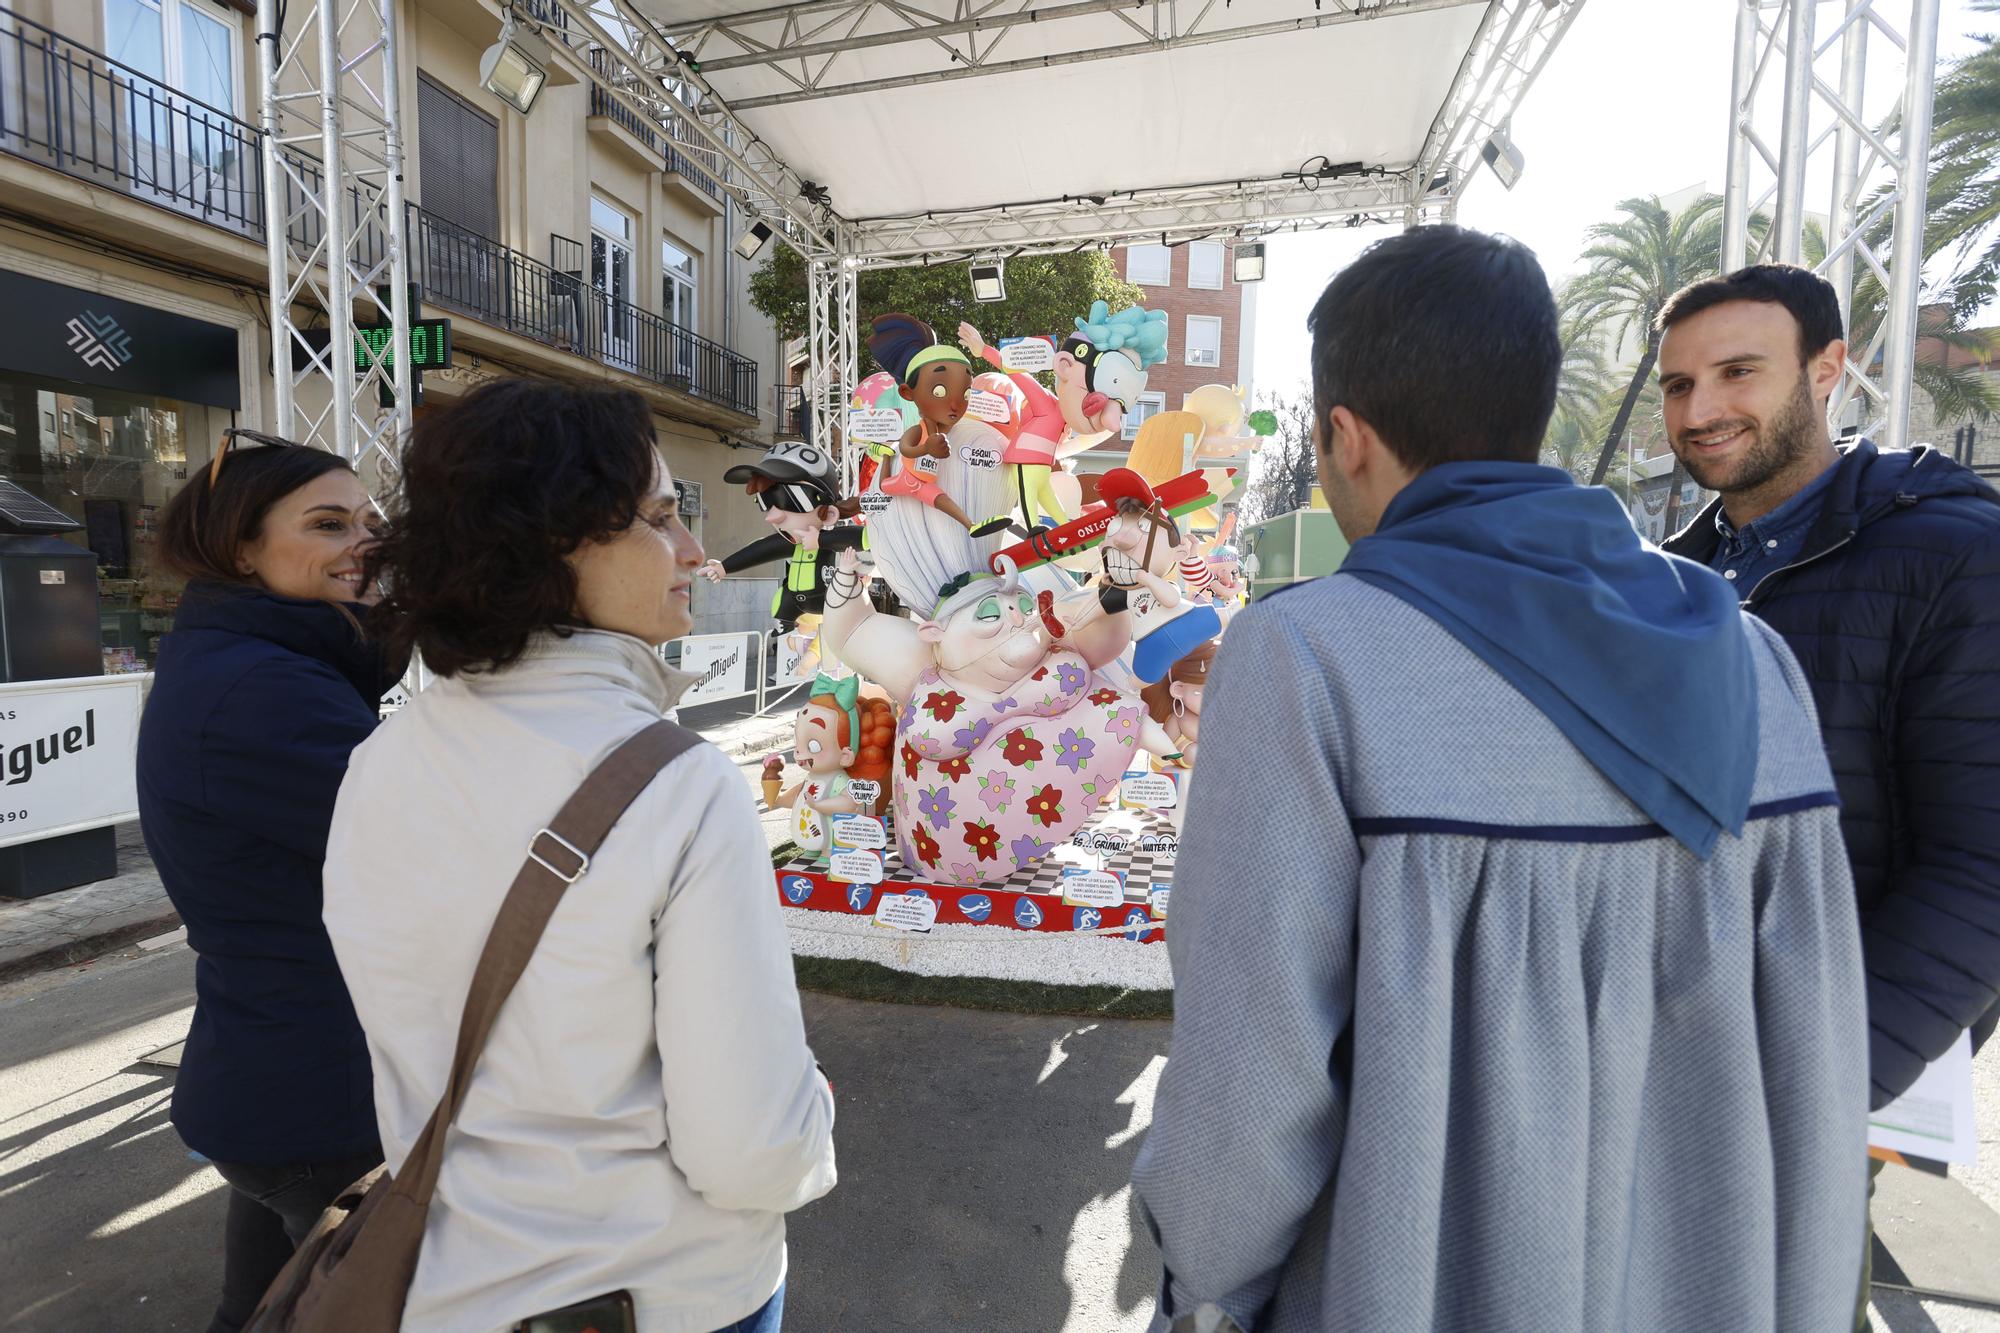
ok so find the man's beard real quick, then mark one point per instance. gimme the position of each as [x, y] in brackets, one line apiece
[1779, 443]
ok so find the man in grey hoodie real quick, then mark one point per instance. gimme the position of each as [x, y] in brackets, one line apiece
[1518, 981]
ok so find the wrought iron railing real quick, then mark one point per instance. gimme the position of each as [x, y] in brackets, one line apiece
[76, 110]
[69, 107]
[464, 271]
[697, 164]
[794, 412]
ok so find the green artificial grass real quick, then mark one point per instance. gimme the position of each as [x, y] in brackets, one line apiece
[858, 980]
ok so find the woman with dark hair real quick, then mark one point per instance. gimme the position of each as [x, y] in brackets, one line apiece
[263, 688]
[646, 1109]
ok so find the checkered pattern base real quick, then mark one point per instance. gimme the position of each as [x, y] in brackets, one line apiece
[1139, 844]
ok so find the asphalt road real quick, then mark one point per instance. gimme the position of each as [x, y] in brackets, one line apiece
[991, 1198]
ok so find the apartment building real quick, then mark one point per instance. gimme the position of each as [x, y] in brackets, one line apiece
[1211, 333]
[579, 240]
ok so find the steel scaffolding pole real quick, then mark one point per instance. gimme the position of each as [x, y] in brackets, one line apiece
[1880, 176]
[833, 351]
[333, 221]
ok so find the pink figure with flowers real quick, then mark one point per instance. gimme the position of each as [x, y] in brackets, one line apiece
[1008, 739]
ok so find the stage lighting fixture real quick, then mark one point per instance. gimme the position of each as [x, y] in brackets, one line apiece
[753, 240]
[1500, 154]
[1248, 262]
[515, 68]
[989, 282]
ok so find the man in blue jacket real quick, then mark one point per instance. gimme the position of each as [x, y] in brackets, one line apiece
[1882, 571]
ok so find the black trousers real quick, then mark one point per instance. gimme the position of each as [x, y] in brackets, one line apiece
[271, 1208]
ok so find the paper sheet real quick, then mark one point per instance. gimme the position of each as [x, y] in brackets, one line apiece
[1934, 1118]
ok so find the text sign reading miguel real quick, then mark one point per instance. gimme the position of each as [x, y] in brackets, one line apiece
[66, 756]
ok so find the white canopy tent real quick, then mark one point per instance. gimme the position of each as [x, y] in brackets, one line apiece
[870, 133]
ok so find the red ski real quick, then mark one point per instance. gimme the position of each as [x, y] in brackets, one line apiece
[1183, 495]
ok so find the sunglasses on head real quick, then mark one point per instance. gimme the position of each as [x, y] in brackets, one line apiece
[232, 438]
[788, 496]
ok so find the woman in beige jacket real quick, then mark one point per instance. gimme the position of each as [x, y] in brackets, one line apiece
[646, 1110]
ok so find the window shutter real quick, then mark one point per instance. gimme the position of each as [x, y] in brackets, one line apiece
[458, 148]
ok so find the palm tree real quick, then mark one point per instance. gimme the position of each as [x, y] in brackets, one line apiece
[1638, 262]
[1585, 377]
[1965, 174]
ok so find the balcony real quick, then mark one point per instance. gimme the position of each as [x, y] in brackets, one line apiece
[65, 106]
[695, 164]
[794, 412]
[464, 271]
[68, 107]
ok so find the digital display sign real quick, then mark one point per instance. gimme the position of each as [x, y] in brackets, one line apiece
[430, 345]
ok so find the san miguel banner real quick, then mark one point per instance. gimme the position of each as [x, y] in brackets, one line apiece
[88, 338]
[67, 755]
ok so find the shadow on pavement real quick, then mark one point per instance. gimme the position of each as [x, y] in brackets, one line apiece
[985, 1162]
[111, 1230]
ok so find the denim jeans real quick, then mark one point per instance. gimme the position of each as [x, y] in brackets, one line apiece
[766, 1320]
[271, 1208]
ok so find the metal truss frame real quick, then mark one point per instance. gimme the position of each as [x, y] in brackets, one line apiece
[832, 353]
[644, 73]
[804, 44]
[656, 71]
[1880, 195]
[1240, 208]
[333, 191]
[1514, 42]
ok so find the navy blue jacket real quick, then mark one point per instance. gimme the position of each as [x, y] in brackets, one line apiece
[256, 704]
[1893, 609]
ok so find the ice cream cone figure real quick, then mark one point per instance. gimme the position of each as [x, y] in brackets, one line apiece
[774, 770]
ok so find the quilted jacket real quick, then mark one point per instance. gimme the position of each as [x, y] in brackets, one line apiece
[1893, 609]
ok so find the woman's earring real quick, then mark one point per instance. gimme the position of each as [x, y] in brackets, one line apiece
[1180, 706]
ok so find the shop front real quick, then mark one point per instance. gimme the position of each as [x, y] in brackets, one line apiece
[107, 407]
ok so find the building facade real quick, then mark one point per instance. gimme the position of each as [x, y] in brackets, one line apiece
[1211, 321]
[580, 241]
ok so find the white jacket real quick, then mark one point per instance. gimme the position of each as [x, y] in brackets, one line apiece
[647, 1109]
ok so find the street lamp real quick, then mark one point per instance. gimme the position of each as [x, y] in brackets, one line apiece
[515, 68]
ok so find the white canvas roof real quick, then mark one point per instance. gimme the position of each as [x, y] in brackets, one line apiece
[896, 117]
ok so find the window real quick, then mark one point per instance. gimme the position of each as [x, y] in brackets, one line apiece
[458, 157]
[677, 285]
[1149, 265]
[118, 459]
[1205, 265]
[1204, 340]
[190, 47]
[611, 275]
[1148, 404]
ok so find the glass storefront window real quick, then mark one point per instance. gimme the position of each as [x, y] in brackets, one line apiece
[110, 460]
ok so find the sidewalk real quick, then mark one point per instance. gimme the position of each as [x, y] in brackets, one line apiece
[76, 925]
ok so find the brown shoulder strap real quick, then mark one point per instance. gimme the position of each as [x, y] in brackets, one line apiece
[558, 856]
